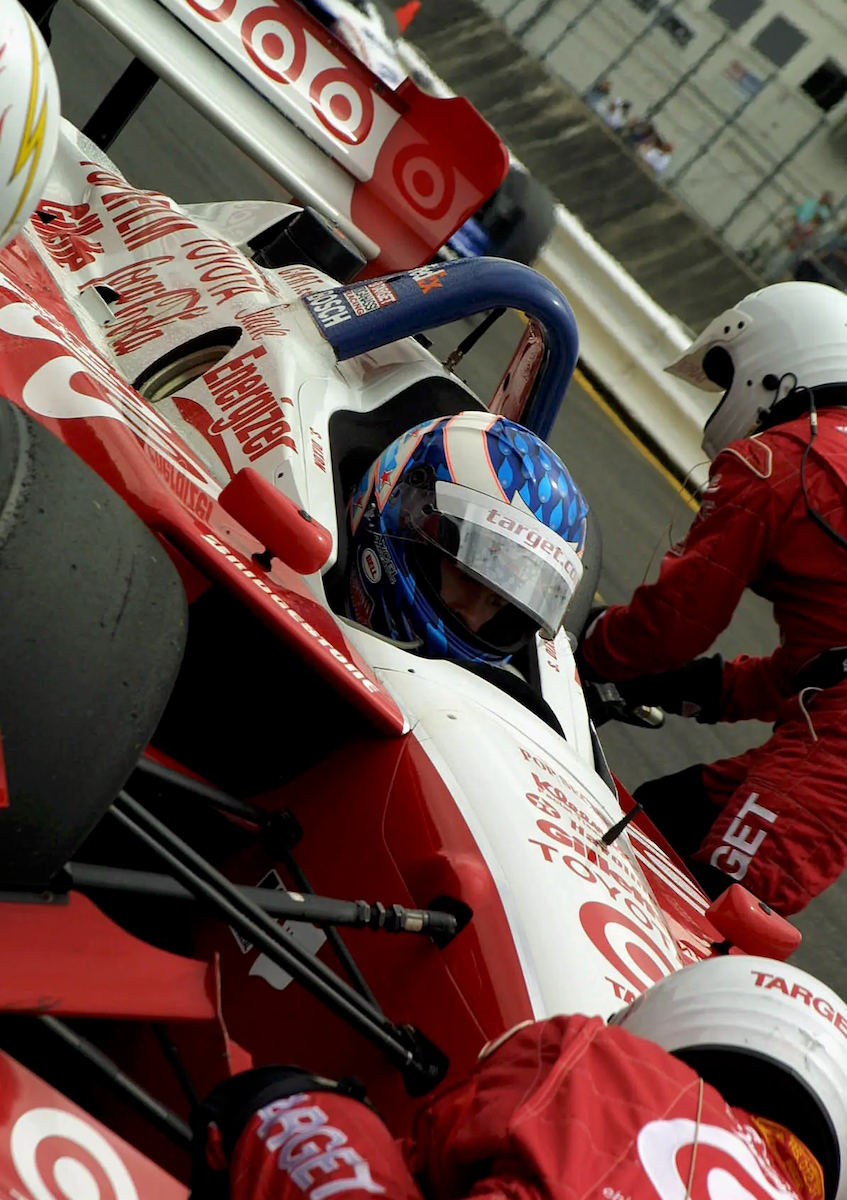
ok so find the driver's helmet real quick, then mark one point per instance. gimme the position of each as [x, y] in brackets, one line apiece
[490, 497]
[786, 336]
[769, 1037]
[29, 117]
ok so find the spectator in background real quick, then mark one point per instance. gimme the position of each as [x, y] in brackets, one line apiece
[599, 94]
[616, 113]
[809, 209]
[656, 154]
[826, 263]
[638, 131]
[800, 242]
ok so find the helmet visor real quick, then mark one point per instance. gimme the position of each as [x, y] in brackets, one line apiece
[512, 553]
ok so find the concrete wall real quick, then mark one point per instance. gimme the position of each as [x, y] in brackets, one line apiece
[661, 243]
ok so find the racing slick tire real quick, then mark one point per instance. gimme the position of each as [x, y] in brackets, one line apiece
[519, 217]
[92, 631]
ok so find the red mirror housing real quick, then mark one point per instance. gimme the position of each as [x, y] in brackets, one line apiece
[749, 925]
[288, 532]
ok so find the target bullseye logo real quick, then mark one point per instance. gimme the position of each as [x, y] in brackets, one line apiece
[625, 945]
[423, 184]
[277, 49]
[220, 11]
[58, 1154]
[343, 104]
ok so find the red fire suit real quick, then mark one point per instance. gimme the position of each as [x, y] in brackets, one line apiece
[781, 822]
[564, 1108]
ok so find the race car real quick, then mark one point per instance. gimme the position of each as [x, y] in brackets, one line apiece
[205, 764]
[519, 217]
[397, 170]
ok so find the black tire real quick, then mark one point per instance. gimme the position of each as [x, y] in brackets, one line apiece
[519, 217]
[92, 631]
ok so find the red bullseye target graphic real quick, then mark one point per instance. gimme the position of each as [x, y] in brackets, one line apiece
[277, 49]
[422, 182]
[213, 11]
[625, 945]
[343, 104]
[57, 1154]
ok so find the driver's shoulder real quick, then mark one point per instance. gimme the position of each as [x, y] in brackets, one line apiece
[751, 455]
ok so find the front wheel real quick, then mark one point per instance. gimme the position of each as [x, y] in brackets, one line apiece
[92, 630]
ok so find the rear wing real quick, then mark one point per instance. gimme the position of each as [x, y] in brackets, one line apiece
[397, 171]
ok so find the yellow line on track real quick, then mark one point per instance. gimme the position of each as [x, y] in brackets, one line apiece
[590, 390]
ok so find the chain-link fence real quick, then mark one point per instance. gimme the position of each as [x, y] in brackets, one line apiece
[747, 149]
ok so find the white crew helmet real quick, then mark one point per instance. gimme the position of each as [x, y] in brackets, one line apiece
[785, 335]
[771, 1038]
[29, 128]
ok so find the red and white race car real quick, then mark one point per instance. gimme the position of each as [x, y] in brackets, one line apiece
[219, 797]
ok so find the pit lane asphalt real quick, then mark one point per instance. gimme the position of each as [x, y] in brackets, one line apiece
[169, 148]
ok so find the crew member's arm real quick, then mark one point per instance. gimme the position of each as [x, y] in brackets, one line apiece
[279, 1134]
[672, 621]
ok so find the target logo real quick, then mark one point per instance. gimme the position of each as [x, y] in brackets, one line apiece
[625, 945]
[59, 1155]
[423, 183]
[342, 104]
[278, 49]
[213, 12]
[726, 1167]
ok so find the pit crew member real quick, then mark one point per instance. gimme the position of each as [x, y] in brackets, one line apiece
[773, 519]
[466, 536]
[726, 1080]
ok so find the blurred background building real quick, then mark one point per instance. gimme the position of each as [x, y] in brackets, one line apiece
[745, 102]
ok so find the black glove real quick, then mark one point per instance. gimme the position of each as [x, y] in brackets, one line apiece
[219, 1121]
[695, 690]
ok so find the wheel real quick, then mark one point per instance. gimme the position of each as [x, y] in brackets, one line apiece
[519, 217]
[92, 630]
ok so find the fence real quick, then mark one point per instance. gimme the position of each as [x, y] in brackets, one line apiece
[747, 147]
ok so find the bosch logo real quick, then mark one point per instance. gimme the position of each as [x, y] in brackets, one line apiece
[371, 569]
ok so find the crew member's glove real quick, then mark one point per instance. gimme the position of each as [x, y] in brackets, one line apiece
[695, 690]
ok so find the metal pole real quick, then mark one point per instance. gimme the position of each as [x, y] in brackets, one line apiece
[280, 904]
[661, 12]
[422, 1067]
[684, 78]
[768, 221]
[772, 174]
[727, 123]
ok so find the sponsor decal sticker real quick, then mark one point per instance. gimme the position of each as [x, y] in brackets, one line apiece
[329, 309]
[66, 233]
[369, 298]
[370, 565]
[428, 278]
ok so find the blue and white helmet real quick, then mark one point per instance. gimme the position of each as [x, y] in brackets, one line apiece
[491, 497]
